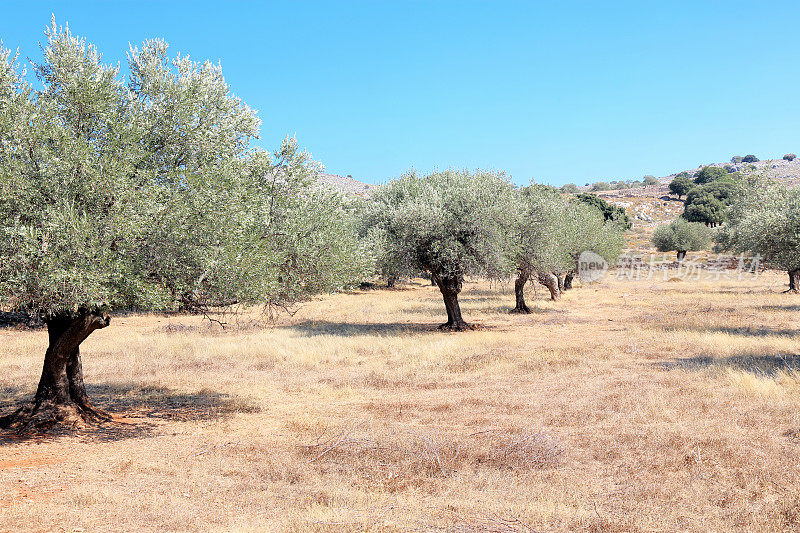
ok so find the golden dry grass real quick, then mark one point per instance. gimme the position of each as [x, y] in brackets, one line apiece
[629, 405]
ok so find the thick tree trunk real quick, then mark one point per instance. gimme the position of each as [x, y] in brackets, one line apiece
[61, 395]
[560, 279]
[794, 281]
[519, 288]
[391, 281]
[550, 281]
[568, 280]
[681, 255]
[450, 286]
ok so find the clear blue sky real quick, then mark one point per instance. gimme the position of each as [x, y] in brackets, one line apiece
[555, 91]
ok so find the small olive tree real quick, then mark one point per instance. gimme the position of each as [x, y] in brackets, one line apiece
[450, 224]
[681, 236]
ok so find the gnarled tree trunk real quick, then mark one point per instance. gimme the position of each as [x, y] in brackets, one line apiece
[450, 286]
[519, 288]
[391, 281]
[560, 278]
[568, 280]
[550, 280]
[794, 281]
[681, 255]
[61, 396]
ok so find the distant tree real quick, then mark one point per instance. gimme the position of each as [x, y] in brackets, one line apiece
[650, 180]
[451, 224]
[680, 185]
[736, 159]
[789, 157]
[681, 236]
[601, 186]
[708, 174]
[750, 158]
[706, 208]
[610, 212]
[570, 188]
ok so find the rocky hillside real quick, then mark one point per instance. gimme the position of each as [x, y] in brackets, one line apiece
[653, 205]
[347, 184]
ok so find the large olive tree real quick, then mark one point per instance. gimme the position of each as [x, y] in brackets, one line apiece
[138, 195]
[450, 224]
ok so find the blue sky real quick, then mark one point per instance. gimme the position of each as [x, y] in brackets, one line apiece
[555, 91]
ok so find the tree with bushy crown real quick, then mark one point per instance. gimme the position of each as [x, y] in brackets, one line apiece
[709, 203]
[709, 173]
[764, 219]
[142, 195]
[680, 185]
[681, 236]
[451, 224]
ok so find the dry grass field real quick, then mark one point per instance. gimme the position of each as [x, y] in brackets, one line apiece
[644, 405]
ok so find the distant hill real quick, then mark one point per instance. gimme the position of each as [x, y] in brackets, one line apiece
[650, 206]
[778, 169]
[347, 184]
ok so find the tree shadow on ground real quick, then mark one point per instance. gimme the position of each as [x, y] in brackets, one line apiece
[756, 364]
[18, 320]
[140, 407]
[348, 329]
[744, 331]
[780, 307]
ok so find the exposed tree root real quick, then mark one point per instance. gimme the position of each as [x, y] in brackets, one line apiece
[456, 326]
[46, 415]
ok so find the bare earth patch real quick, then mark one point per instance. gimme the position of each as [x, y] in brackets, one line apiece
[626, 406]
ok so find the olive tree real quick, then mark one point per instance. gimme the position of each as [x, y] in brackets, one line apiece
[584, 229]
[451, 224]
[552, 235]
[536, 238]
[142, 195]
[681, 236]
[764, 219]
